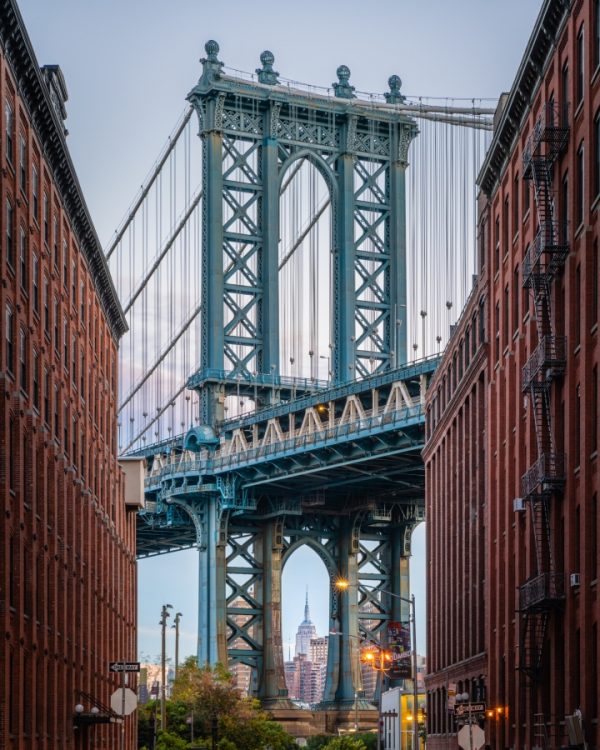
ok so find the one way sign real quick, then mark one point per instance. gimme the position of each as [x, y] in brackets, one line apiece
[124, 666]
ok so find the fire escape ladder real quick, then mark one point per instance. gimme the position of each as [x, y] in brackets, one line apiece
[534, 626]
[544, 260]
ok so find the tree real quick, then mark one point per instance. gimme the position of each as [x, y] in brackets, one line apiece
[208, 697]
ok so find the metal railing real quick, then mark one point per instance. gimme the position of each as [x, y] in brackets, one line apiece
[549, 355]
[547, 472]
[542, 591]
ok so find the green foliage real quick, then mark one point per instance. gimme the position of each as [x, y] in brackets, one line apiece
[360, 741]
[209, 697]
[346, 742]
[170, 741]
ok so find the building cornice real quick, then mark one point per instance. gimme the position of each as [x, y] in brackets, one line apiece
[531, 70]
[32, 89]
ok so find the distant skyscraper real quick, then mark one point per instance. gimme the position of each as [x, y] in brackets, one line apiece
[306, 632]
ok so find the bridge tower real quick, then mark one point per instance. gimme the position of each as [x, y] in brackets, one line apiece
[253, 133]
[253, 490]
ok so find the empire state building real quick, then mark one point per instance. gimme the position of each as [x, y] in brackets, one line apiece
[306, 632]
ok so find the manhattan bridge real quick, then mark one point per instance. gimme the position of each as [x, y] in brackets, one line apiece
[290, 271]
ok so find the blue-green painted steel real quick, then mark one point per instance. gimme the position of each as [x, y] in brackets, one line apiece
[252, 133]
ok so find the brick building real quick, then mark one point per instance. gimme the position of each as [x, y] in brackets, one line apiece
[67, 533]
[456, 546]
[536, 621]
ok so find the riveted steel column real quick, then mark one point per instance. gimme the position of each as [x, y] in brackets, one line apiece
[272, 689]
[345, 282]
[397, 197]
[400, 582]
[269, 328]
[350, 679]
[212, 644]
[212, 258]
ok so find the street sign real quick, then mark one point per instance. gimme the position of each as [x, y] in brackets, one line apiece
[463, 709]
[471, 737]
[123, 701]
[124, 666]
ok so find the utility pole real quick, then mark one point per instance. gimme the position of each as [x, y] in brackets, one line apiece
[178, 617]
[164, 614]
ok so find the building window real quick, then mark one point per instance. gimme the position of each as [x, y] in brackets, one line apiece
[35, 282]
[10, 132]
[46, 219]
[23, 257]
[578, 297]
[10, 250]
[505, 226]
[526, 197]
[56, 417]
[597, 153]
[515, 299]
[66, 426]
[580, 185]
[594, 435]
[578, 425]
[74, 283]
[564, 224]
[564, 85]
[35, 191]
[65, 254]
[10, 339]
[482, 229]
[74, 360]
[46, 299]
[580, 66]
[516, 205]
[36, 379]
[595, 283]
[82, 374]
[506, 332]
[56, 327]
[23, 163]
[82, 301]
[497, 244]
[65, 342]
[46, 396]
[22, 359]
[497, 329]
[55, 240]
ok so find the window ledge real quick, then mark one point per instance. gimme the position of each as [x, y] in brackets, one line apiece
[579, 109]
[596, 203]
[580, 229]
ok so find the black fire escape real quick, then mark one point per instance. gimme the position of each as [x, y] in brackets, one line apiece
[544, 591]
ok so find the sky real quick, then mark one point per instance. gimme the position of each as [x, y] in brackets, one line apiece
[128, 66]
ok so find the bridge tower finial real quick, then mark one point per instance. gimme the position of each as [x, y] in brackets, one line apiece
[343, 89]
[394, 95]
[211, 65]
[266, 74]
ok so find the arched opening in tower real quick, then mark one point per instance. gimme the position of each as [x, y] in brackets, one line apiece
[305, 625]
[305, 275]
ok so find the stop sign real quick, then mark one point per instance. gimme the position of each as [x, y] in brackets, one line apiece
[123, 701]
[471, 737]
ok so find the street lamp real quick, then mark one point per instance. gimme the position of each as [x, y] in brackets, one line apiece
[343, 585]
[164, 614]
[178, 617]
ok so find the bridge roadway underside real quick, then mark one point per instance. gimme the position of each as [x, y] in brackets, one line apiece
[368, 460]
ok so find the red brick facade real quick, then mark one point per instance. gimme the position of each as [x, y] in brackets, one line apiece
[539, 261]
[67, 540]
[455, 460]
